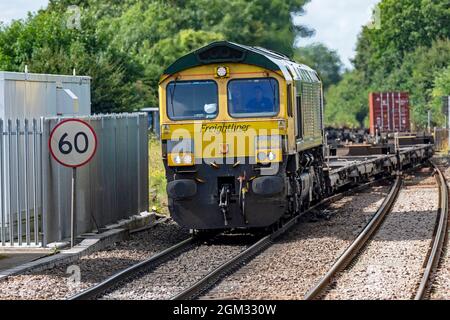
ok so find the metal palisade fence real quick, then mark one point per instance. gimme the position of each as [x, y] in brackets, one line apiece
[21, 181]
[35, 190]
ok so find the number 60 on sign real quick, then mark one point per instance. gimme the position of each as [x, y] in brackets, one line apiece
[73, 143]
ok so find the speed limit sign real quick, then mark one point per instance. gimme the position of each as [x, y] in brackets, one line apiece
[73, 143]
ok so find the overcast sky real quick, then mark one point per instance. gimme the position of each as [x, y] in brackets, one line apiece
[337, 22]
[17, 9]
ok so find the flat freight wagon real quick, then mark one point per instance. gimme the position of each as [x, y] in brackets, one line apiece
[389, 112]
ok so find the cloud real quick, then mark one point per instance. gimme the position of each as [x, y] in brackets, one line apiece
[337, 24]
[18, 9]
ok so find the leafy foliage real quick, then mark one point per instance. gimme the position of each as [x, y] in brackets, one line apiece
[405, 26]
[346, 102]
[409, 52]
[126, 45]
[325, 61]
[441, 89]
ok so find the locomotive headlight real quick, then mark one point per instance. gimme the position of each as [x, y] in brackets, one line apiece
[187, 159]
[181, 160]
[180, 152]
[268, 149]
[222, 72]
[262, 156]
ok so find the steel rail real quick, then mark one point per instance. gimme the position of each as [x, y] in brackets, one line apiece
[440, 232]
[207, 282]
[143, 266]
[161, 257]
[345, 259]
[217, 274]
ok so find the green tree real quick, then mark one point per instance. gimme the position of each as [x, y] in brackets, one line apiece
[346, 102]
[441, 89]
[405, 25]
[416, 75]
[156, 33]
[408, 52]
[325, 61]
[46, 45]
[126, 44]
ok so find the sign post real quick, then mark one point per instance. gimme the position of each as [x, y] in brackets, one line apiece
[73, 208]
[73, 144]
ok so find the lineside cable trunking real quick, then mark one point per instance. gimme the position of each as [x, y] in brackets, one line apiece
[29, 95]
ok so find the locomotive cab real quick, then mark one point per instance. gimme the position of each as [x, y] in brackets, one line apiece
[237, 124]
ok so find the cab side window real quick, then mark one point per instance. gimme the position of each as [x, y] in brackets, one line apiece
[289, 100]
[299, 116]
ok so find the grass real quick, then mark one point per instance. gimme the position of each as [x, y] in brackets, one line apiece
[157, 178]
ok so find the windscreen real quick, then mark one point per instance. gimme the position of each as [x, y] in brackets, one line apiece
[253, 97]
[192, 100]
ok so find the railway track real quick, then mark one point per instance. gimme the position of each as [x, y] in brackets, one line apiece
[438, 239]
[54, 282]
[355, 248]
[143, 266]
[147, 266]
[207, 281]
[215, 276]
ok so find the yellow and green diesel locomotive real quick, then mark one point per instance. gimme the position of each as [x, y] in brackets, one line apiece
[242, 137]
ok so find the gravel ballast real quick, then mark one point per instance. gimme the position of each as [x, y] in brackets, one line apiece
[55, 284]
[293, 264]
[391, 266]
[179, 273]
[441, 283]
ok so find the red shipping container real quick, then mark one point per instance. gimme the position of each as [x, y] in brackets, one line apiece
[389, 112]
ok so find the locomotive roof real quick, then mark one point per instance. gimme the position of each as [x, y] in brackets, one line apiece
[225, 51]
